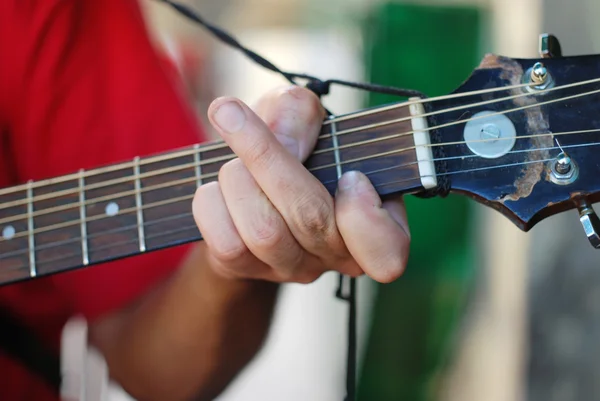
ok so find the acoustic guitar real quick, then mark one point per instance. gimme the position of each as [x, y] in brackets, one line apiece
[521, 136]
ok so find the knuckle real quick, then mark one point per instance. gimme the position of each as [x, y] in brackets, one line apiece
[308, 102]
[266, 233]
[259, 152]
[230, 251]
[313, 218]
[227, 271]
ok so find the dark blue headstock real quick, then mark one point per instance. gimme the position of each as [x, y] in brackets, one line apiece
[530, 150]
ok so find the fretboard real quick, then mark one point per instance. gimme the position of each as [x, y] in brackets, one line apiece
[144, 205]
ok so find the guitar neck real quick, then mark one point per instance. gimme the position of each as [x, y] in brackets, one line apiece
[143, 205]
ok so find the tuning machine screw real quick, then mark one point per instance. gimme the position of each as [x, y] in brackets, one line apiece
[590, 222]
[563, 170]
[538, 74]
[538, 77]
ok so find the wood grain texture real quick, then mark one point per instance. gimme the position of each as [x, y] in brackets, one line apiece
[379, 143]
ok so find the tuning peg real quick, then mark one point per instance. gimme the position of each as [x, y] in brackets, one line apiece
[590, 222]
[549, 46]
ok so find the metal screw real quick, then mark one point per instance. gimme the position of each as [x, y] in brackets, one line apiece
[539, 73]
[490, 132]
[563, 164]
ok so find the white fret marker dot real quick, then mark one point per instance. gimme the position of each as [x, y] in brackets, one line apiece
[112, 209]
[8, 232]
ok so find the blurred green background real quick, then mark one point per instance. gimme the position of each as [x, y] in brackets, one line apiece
[415, 317]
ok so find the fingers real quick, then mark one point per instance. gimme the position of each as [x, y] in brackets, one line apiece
[230, 254]
[300, 198]
[295, 116]
[376, 235]
[258, 223]
[270, 218]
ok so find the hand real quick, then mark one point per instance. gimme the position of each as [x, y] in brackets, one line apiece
[269, 218]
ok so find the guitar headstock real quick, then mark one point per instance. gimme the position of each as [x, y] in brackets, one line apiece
[531, 149]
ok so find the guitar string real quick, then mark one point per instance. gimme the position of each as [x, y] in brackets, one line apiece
[391, 107]
[50, 245]
[190, 227]
[397, 151]
[447, 110]
[203, 177]
[104, 247]
[385, 169]
[194, 227]
[321, 151]
[189, 197]
[221, 145]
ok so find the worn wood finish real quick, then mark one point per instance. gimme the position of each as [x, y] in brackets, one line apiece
[523, 192]
[107, 214]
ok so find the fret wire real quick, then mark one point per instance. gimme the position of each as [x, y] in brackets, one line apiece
[220, 144]
[50, 245]
[110, 197]
[120, 243]
[211, 175]
[367, 173]
[198, 166]
[336, 154]
[138, 203]
[101, 217]
[59, 179]
[229, 157]
[30, 229]
[82, 216]
[371, 157]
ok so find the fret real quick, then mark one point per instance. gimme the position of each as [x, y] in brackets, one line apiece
[336, 149]
[122, 210]
[111, 212]
[329, 175]
[138, 204]
[56, 226]
[14, 238]
[84, 246]
[388, 157]
[197, 160]
[30, 228]
[210, 170]
[168, 216]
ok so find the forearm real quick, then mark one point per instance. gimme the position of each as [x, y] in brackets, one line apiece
[189, 337]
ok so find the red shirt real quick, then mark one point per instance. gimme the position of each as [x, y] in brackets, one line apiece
[81, 86]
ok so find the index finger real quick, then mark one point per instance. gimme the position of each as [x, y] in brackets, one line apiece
[297, 194]
[252, 141]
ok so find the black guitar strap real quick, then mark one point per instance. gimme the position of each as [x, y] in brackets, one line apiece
[21, 344]
[17, 341]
